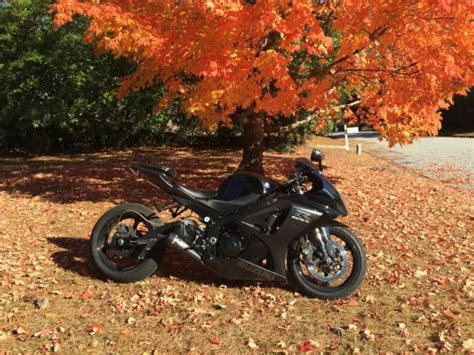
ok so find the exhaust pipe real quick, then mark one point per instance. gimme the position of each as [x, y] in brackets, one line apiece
[176, 243]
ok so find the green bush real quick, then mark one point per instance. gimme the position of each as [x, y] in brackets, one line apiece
[55, 93]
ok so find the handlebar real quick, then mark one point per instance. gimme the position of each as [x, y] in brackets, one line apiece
[295, 182]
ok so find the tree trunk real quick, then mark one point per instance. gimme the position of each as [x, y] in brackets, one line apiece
[252, 140]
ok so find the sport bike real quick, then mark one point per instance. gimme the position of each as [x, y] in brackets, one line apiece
[251, 228]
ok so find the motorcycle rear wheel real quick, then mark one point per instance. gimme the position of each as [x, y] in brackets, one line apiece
[311, 286]
[123, 265]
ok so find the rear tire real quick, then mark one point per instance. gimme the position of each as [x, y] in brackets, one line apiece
[102, 229]
[314, 288]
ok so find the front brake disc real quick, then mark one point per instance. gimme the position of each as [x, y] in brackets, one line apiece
[333, 271]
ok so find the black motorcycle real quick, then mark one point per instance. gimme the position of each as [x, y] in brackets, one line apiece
[252, 228]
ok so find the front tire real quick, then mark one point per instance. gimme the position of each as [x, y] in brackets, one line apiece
[311, 286]
[108, 263]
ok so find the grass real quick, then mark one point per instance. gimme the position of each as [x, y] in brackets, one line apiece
[417, 295]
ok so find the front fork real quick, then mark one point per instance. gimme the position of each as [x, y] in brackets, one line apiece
[321, 239]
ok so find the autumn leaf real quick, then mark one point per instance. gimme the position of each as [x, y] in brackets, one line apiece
[94, 328]
[42, 333]
[219, 306]
[352, 327]
[393, 278]
[306, 346]
[88, 294]
[468, 344]
[251, 344]
[41, 303]
[370, 299]
[352, 302]
[368, 335]
[281, 344]
[19, 331]
[337, 330]
[450, 314]
[216, 341]
[3, 335]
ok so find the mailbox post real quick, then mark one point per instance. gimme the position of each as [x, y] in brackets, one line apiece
[347, 131]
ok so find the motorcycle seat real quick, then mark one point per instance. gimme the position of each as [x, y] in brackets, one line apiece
[153, 172]
[199, 194]
[158, 169]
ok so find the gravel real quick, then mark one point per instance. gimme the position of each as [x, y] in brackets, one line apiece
[445, 158]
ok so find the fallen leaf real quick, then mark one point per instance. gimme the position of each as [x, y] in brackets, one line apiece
[338, 331]
[450, 314]
[42, 333]
[292, 302]
[353, 302]
[367, 334]
[88, 294]
[19, 331]
[468, 344]
[3, 335]
[236, 321]
[306, 346]
[216, 341]
[393, 278]
[370, 299]
[219, 306]
[420, 273]
[94, 328]
[251, 344]
[41, 303]
[352, 327]
[281, 344]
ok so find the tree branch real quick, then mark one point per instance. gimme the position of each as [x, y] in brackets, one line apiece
[376, 33]
[397, 71]
[313, 116]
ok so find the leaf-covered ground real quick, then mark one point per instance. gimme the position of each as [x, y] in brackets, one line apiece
[418, 294]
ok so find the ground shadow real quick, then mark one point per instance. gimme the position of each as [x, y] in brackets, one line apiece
[105, 176]
[77, 258]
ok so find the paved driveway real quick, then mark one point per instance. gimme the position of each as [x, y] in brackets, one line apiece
[450, 159]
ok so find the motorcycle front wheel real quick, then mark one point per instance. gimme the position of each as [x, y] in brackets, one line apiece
[118, 259]
[336, 279]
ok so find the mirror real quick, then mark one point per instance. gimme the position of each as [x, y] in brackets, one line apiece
[317, 156]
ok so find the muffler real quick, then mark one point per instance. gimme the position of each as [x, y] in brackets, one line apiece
[178, 244]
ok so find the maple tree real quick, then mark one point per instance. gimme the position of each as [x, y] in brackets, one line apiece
[255, 60]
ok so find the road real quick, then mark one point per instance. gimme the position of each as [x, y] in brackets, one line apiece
[450, 159]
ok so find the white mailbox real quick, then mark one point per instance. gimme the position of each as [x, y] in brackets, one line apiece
[347, 131]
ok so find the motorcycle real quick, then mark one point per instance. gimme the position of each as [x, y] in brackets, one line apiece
[251, 228]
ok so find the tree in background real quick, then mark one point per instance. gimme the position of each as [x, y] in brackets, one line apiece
[259, 60]
[56, 93]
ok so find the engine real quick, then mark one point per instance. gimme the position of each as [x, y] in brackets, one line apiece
[230, 244]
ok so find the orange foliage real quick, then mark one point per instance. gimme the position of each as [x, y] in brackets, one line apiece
[409, 57]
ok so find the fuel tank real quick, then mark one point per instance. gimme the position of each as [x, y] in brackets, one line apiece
[242, 184]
